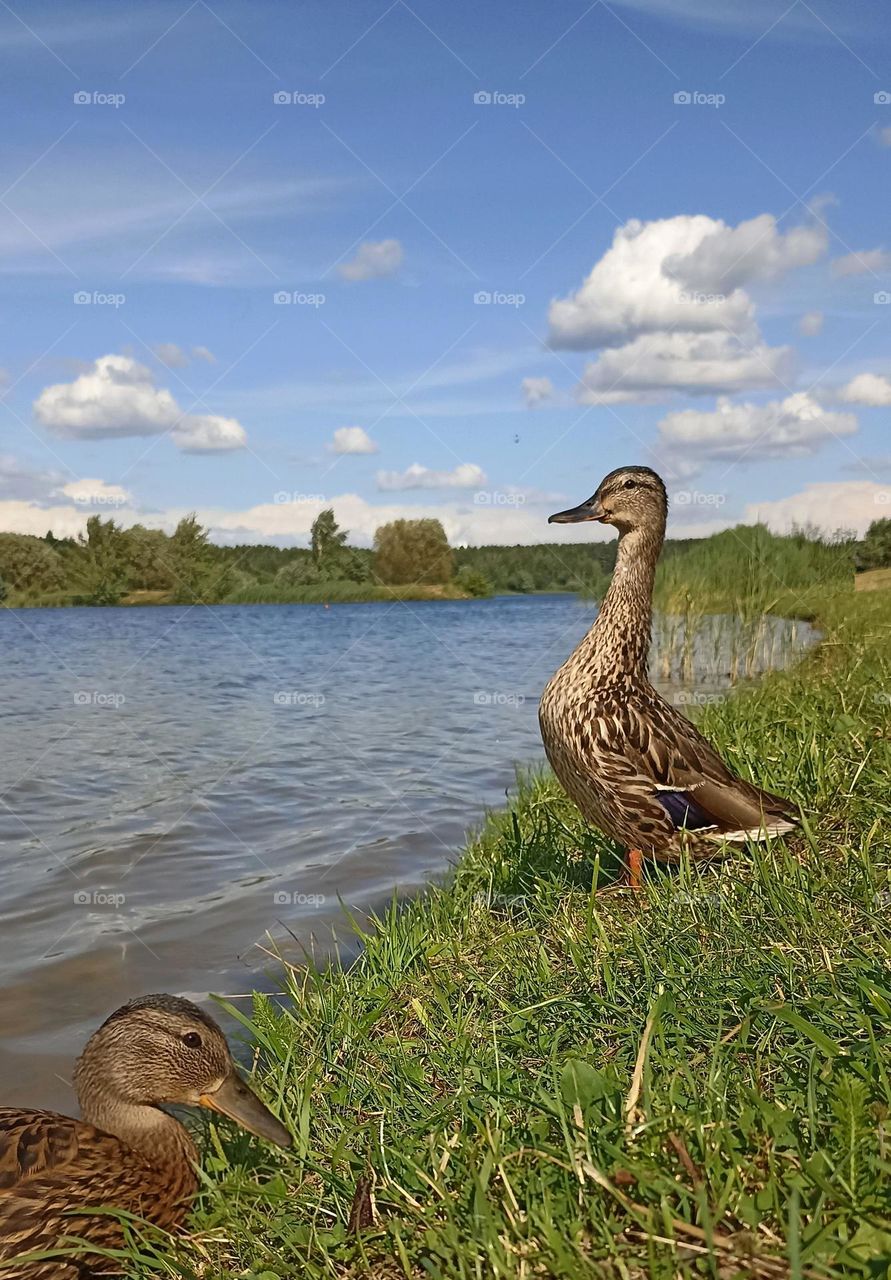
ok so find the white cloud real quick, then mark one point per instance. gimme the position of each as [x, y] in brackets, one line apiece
[18, 516]
[34, 501]
[465, 522]
[829, 504]
[176, 358]
[697, 364]
[96, 493]
[208, 433]
[867, 388]
[678, 273]
[117, 397]
[352, 440]
[794, 427]
[728, 257]
[374, 259]
[537, 391]
[811, 323]
[858, 264]
[665, 308]
[171, 355]
[467, 475]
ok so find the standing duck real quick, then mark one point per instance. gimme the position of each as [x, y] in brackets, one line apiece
[634, 765]
[126, 1153]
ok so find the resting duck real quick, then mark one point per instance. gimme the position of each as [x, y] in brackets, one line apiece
[636, 767]
[126, 1153]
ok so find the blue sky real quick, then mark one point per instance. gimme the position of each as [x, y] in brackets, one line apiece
[471, 210]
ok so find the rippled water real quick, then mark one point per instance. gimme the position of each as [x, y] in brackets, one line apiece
[178, 784]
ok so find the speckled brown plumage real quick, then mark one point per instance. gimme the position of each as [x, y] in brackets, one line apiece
[126, 1153]
[635, 766]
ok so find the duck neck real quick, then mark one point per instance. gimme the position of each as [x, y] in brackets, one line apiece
[159, 1138]
[618, 645]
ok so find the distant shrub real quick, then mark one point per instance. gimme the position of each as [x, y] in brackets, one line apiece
[473, 583]
[29, 565]
[407, 551]
[874, 551]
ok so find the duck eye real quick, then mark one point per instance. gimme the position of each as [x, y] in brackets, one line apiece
[630, 484]
[191, 1040]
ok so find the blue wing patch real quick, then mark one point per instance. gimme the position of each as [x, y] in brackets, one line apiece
[684, 812]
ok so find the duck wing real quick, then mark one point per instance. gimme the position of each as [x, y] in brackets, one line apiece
[36, 1142]
[687, 777]
[52, 1166]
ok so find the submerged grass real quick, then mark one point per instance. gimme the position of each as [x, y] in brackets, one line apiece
[531, 1080]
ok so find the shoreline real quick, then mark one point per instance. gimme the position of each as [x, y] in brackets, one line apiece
[477, 1059]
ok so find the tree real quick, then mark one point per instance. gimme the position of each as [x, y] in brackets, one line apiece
[298, 573]
[148, 554]
[328, 541]
[521, 581]
[412, 551]
[104, 561]
[197, 576]
[874, 551]
[28, 564]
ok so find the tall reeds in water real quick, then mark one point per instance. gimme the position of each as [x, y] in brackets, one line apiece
[719, 603]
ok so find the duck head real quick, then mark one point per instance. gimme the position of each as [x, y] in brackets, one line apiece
[628, 498]
[162, 1049]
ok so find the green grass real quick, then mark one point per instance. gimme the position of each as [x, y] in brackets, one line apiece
[340, 593]
[478, 1059]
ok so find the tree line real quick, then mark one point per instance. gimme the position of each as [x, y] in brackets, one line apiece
[108, 563]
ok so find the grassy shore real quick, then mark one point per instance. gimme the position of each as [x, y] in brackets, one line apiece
[539, 1081]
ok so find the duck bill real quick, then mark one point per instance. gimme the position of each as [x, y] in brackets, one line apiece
[590, 510]
[238, 1101]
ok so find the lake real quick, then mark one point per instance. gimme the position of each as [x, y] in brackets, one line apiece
[179, 786]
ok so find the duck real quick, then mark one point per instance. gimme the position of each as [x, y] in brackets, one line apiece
[634, 765]
[125, 1153]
